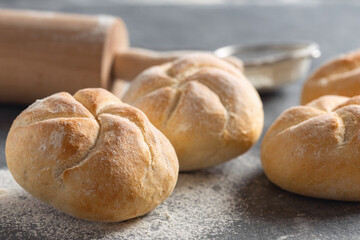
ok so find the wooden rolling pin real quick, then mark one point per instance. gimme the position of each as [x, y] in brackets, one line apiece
[42, 53]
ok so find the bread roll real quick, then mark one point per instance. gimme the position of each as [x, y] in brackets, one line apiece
[91, 156]
[340, 76]
[314, 150]
[204, 105]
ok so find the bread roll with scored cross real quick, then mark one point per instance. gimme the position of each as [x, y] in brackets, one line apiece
[204, 105]
[340, 76]
[313, 150]
[91, 156]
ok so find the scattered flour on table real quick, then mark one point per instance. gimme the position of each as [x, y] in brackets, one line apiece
[284, 237]
[3, 192]
[204, 203]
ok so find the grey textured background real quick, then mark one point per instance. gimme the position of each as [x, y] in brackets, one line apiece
[333, 25]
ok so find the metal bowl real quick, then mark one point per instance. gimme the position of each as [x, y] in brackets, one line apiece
[271, 65]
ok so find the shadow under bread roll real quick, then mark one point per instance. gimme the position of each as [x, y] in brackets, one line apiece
[91, 156]
[203, 104]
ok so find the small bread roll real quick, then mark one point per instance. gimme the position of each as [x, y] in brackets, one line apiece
[314, 150]
[91, 156]
[340, 76]
[204, 105]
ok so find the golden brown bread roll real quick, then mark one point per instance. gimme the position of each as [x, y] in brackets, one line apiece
[314, 150]
[340, 76]
[91, 156]
[204, 105]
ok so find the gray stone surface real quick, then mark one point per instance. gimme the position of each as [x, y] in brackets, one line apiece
[258, 209]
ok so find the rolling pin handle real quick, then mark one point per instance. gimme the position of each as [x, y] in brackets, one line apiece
[129, 64]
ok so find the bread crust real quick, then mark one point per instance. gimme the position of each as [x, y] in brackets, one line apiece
[339, 76]
[91, 156]
[313, 150]
[204, 105]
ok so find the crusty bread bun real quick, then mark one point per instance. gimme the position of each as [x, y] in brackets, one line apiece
[204, 105]
[340, 76]
[314, 150]
[91, 156]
